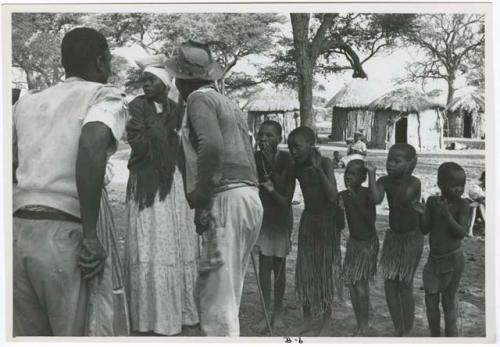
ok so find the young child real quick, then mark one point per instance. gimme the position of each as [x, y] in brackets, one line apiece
[277, 186]
[318, 270]
[446, 219]
[337, 160]
[403, 242]
[360, 263]
[359, 147]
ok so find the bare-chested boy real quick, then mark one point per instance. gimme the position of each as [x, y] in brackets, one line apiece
[446, 219]
[277, 186]
[403, 243]
[318, 271]
[360, 263]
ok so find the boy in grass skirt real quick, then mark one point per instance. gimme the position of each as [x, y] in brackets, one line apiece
[360, 263]
[403, 243]
[446, 219]
[318, 271]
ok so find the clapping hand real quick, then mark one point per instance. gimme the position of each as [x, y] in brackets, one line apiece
[418, 206]
[443, 207]
[370, 167]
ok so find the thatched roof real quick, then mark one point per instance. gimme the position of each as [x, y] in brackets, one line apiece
[267, 101]
[468, 99]
[404, 100]
[357, 94]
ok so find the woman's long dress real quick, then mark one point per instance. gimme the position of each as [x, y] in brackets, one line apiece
[162, 250]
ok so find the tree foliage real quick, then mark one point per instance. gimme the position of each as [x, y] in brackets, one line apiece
[231, 36]
[36, 42]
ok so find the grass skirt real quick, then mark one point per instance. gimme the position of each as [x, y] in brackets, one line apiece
[360, 262]
[401, 254]
[318, 270]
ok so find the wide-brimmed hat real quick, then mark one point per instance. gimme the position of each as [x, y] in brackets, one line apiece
[194, 61]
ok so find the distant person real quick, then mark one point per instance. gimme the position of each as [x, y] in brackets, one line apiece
[221, 185]
[358, 149]
[277, 186]
[64, 136]
[477, 194]
[360, 264]
[403, 243]
[162, 247]
[318, 270]
[445, 218]
[337, 160]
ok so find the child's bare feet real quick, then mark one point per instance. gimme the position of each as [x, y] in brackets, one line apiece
[362, 331]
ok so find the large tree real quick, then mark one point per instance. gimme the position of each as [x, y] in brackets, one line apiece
[452, 44]
[329, 43]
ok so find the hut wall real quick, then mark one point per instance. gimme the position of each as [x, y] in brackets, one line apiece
[363, 120]
[425, 130]
[380, 129]
[339, 124]
[478, 130]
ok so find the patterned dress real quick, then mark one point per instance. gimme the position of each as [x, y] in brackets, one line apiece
[162, 247]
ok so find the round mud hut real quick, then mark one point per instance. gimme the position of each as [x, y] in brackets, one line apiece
[282, 107]
[350, 110]
[467, 108]
[406, 115]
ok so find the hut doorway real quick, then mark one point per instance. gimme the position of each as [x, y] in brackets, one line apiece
[402, 130]
[467, 126]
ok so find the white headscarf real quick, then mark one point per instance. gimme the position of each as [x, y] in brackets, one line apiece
[161, 73]
[164, 76]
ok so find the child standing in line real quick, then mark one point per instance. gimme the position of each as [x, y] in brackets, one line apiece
[318, 271]
[360, 263]
[445, 218]
[404, 242]
[277, 186]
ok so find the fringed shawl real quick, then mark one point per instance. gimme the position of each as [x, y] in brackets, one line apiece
[155, 148]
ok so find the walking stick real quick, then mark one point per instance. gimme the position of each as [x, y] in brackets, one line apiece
[261, 295]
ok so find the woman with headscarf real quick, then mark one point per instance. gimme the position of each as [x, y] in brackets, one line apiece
[162, 246]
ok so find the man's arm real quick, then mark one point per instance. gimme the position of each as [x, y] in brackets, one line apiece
[94, 141]
[210, 147]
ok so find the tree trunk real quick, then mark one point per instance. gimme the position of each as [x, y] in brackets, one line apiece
[304, 64]
[454, 118]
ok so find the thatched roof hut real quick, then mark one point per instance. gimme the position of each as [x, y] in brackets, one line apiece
[409, 116]
[281, 106]
[467, 110]
[350, 109]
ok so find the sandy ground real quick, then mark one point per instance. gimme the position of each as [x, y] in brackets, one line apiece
[471, 296]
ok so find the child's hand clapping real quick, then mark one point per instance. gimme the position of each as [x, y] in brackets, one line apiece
[370, 167]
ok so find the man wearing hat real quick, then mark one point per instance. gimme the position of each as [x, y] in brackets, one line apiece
[221, 185]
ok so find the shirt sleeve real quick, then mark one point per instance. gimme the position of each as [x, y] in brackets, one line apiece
[110, 108]
[203, 119]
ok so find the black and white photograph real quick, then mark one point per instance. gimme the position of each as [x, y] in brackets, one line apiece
[281, 173]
